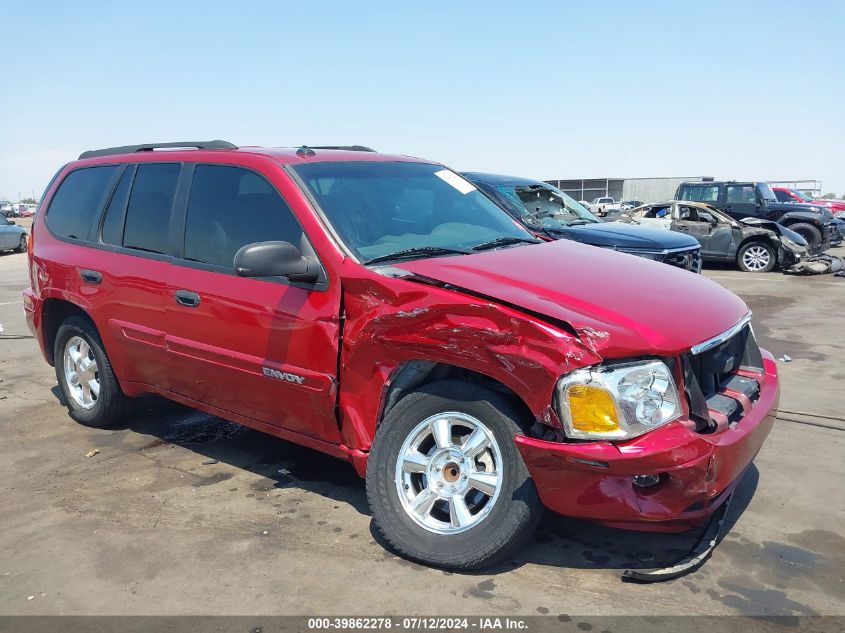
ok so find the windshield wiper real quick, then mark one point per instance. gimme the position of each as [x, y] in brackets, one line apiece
[504, 241]
[411, 253]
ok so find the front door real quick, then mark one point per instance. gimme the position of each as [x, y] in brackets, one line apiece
[266, 349]
[741, 201]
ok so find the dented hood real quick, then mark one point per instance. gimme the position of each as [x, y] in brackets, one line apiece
[645, 307]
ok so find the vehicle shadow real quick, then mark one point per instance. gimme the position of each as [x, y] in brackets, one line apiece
[559, 541]
[281, 464]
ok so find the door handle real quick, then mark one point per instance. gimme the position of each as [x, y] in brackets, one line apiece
[91, 276]
[187, 298]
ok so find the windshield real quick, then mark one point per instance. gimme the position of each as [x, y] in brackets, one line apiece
[803, 196]
[545, 206]
[382, 208]
[766, 192]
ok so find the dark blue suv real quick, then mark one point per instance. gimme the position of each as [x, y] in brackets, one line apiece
[548, 212]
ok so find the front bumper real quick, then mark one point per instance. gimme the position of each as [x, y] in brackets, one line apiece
[592, 480]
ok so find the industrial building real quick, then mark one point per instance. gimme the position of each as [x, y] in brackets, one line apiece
[653, 189]
[643, 189]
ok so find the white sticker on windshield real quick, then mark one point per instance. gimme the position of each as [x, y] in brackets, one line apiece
[464, 186]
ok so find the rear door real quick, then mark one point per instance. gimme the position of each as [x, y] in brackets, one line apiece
[130, 273]
[266, 348]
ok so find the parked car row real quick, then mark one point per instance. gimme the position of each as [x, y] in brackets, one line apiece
[388, 311]
[757, 200]
[17, 210]
[754, 244]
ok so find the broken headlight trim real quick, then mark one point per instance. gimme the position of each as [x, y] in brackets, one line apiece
[795, 246]
[617, 402]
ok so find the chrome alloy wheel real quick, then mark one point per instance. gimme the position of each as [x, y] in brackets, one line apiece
[81, 372]
[449, 473]
[756, 258]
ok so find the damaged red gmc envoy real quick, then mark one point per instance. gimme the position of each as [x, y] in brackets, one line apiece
[383, 310]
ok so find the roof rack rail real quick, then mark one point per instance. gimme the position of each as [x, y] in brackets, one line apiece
[148, 147]
[348, 148]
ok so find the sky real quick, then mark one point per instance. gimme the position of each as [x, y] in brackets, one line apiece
[549, 90]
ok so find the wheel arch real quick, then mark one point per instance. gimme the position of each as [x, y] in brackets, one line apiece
[412, 374]
[54, 312]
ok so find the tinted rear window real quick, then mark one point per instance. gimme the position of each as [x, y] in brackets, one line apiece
[78, 201]
[150, 204]
[230, 207]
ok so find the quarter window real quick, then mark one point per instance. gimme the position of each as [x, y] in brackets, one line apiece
[113, 222]
[230, 207]
[150, 204]
[78, 201]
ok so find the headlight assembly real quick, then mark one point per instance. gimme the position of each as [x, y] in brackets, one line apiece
[617, 402]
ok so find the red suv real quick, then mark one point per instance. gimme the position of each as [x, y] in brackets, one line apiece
[383, 310]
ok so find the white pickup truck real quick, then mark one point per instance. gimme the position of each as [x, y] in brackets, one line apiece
[602, 206]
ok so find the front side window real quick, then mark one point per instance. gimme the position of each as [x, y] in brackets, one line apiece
[78, 199]
[740, 194]
[783, 196]
[705, 193]
[150, 204]
[230, 207]
[381, 208]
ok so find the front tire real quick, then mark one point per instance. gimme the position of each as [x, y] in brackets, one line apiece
[445, 481]
[756, 257]
[809, 233]
[85, 375]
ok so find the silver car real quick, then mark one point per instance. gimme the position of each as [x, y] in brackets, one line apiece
[12, 237]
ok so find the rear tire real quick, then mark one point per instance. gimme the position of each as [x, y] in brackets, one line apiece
[756, 257]
[22, 246]
[808, 232]
[86, 378]
[478, 506]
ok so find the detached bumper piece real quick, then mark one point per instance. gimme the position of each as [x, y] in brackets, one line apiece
[695, 559]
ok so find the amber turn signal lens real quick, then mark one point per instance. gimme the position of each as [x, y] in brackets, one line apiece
[592, 409]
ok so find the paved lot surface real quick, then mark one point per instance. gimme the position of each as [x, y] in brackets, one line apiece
[183, 513]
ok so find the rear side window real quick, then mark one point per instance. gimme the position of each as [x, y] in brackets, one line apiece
[78, 201]
[230, 207]
[150, 204]
[707, 193]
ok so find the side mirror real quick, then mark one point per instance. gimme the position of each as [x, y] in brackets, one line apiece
[276, 259]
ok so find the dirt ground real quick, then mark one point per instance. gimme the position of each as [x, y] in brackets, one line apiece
[183, 513]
